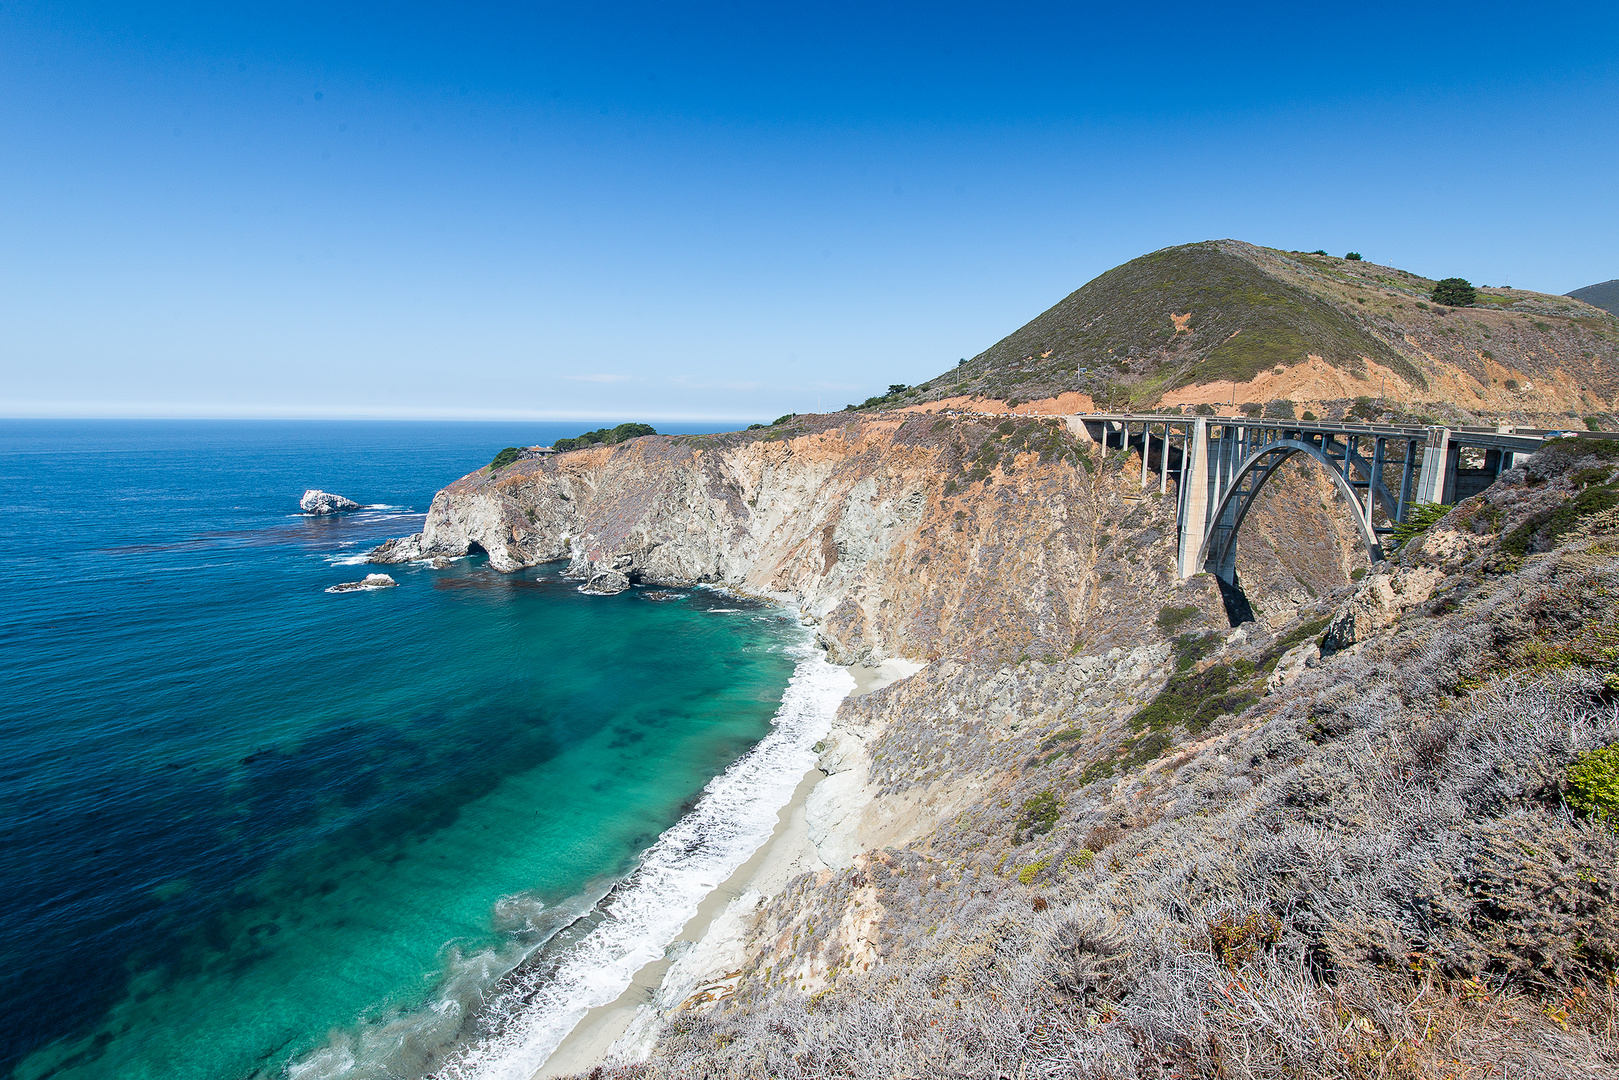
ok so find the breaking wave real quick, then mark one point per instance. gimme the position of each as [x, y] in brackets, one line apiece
[500, 1013]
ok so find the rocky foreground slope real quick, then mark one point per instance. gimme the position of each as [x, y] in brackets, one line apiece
[1343, 841]
[1367, 844]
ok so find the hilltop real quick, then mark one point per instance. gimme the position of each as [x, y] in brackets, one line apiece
[1224, 322]
[1604, 296]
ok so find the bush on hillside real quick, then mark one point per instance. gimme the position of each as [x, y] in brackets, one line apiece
[504, 458]
[1593, 785]
[1203, 410]
[1252, 408]
[609, 436]
[1308, 415]
[1453, 292]
[1353, 256]
[1280, 409]
[780, 420]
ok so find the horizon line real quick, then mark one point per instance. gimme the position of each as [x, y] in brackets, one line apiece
[11, 412]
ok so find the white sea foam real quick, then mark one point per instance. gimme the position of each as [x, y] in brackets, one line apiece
[576, 956]
[533, 1012]
[348, 560]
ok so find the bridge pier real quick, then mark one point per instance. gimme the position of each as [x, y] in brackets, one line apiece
[1194, 497]
[1225, 461]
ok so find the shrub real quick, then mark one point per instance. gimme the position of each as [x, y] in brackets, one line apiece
[1203, 410]
[1593, 423]
[780, 420]
[756, 427]
[1236, 943]
[1511, 384]
[504, 458]
[1027, 874]
[1419, 518]
[1280, 409]
[1353, 256]
[609, 436]
[1362, 409]
[1171, 619]
[1319, 251]
[1308, 415]
[896, 388]
[1454, 292]
[1252, 408]
[1593, 785]
[1040, 813]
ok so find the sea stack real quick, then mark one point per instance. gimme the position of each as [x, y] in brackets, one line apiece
[369, 582]
[316, 501]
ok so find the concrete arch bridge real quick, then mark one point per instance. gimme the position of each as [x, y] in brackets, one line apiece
[1221, 463]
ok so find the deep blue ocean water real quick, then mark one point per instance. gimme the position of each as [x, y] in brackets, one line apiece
[249, 828]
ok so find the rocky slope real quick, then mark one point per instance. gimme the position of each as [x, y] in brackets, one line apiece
[1224, 322]
[899, 535]
[1349, 845]
[1103, 833]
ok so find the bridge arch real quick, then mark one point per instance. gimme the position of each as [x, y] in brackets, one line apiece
[1218, 550]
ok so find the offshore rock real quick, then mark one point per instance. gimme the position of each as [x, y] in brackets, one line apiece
[316, 501]
[370, 581]
[605, 583]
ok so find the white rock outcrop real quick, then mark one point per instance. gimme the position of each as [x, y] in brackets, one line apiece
[1377, 602]
[367, 583]
[316, 501]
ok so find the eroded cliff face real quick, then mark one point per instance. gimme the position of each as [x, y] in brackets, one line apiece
[899, 535]
[1219, 852]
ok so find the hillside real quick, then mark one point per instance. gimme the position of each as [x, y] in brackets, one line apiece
[1224, 322]
[1604, 296]
[1100, 832]
[1357, 845]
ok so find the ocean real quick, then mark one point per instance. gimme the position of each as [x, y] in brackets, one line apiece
[249, 828]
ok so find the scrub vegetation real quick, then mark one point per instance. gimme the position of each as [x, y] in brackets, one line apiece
[1396, 860]
[604, 435]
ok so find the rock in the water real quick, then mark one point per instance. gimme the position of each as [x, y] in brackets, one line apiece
[316, 501]
[370, 581]
[398, 550]
[440, 562]
[605, 583]
[662, 594]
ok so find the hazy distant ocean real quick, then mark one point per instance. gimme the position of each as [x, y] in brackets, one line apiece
[249, 828]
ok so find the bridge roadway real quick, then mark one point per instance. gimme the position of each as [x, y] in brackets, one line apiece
[1220, 464]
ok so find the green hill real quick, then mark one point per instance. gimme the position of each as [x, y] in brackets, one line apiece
[1604, 296]
[1223, 311]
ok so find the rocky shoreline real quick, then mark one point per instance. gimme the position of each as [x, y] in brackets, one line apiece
[1089, 800]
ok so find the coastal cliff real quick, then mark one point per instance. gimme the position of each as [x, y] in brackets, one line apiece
[1101, 832]
[897, 534]
[1363, 843]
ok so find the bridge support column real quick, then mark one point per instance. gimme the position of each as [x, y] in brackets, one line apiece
[1435, 466]
[1146, 447]
[1194, 493]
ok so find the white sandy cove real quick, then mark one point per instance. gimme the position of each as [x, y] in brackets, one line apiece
[711, 942]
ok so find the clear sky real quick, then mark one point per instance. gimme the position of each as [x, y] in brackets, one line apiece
[731, 211]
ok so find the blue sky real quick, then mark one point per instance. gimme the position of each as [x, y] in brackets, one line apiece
[727, 212]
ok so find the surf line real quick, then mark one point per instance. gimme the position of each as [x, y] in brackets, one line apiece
[533, 1011]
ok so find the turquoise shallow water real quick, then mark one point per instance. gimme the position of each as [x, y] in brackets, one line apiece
[246, 823]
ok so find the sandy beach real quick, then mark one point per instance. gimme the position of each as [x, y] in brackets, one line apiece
[711, 944]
